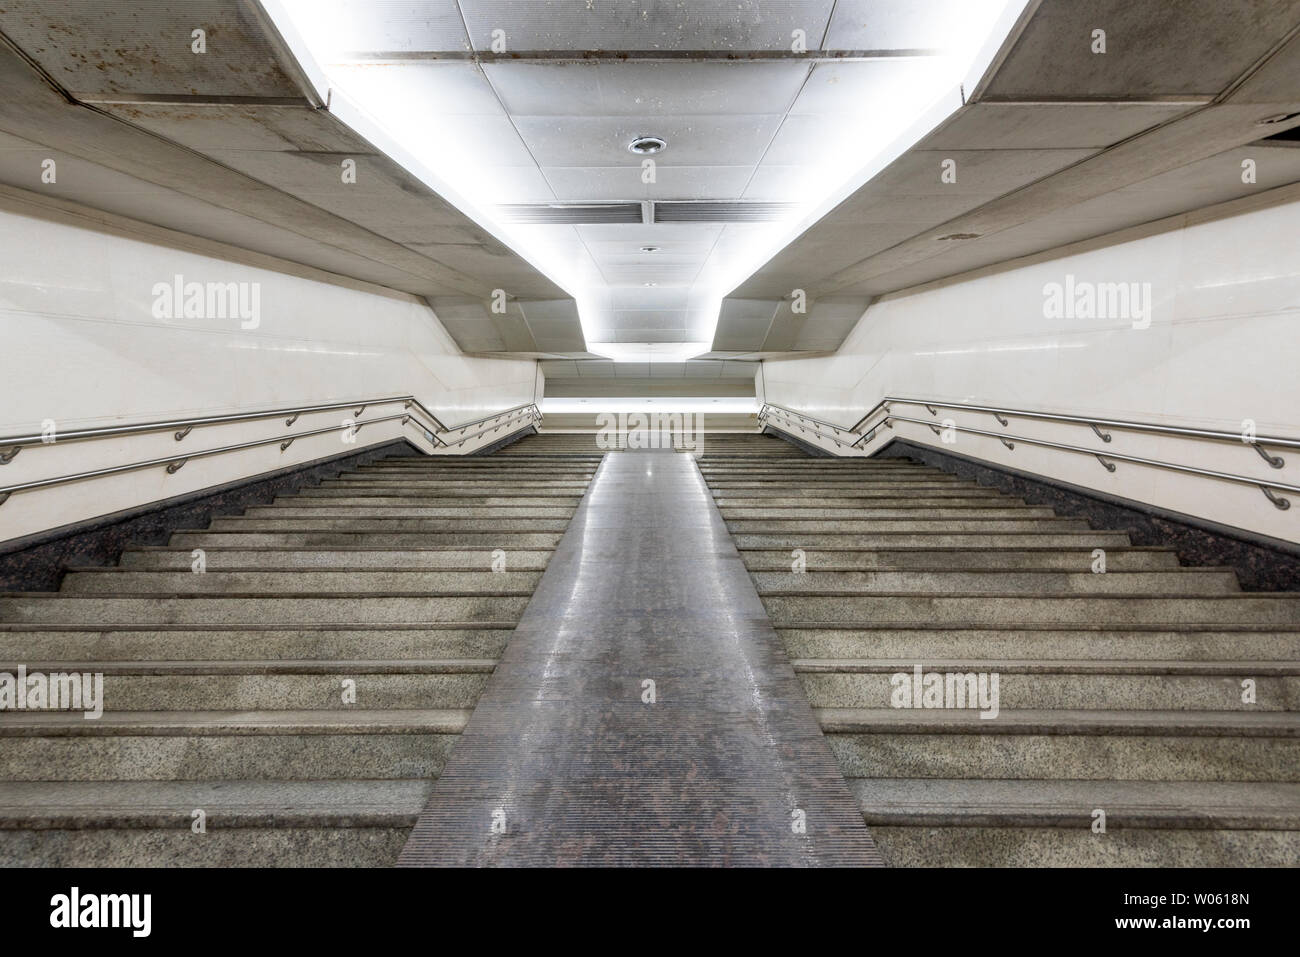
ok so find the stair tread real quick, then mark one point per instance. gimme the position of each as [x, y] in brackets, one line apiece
[1058, 721]
[1065, 627]
[262, 666]
[230, 803]
[300, 628]
[1143, 666]
[983, 801]
[51, 723]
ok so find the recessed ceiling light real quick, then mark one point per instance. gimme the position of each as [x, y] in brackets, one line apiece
[649, 284]
[645, 145]
[649, 249]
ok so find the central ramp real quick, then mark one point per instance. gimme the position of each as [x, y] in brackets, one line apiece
[573, 757]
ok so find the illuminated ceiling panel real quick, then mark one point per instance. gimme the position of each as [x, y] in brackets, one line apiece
[536, 102]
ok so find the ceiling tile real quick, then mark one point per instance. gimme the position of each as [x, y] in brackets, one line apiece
[647, 25]
[602, 141]
[612, 183]
[739, 370]
[894, 24]
[441, 88]
[702, 369]
[1203, 46]
[864, 88]
[653, 234]
[1002, 126]
[404, 25]
[647, 89]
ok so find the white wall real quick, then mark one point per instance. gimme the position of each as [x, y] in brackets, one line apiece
[1223, 345]
[79, 344]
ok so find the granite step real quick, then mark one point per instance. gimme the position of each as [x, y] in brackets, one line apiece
[321, 823]
[928, 538]
[856, 515]
[214, 643]
[234, 745]
[1064, 608]
[321, 583]
[1131, 685]
[356, 608]
[280, 685]
[927, 822]
[742, 526]
[1155, 745]
[343, 538]
[1175, 581]
[917, 642]
[285, 558]
[841, 559]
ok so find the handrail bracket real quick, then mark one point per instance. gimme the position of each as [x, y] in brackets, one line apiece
[1277, 500]
[1274, 460]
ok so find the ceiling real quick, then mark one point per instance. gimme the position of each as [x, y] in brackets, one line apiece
[547, 119]
[233, 145]
[455, 143]
[1054, 145]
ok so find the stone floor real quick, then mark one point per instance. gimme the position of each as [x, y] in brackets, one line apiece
[644, 712]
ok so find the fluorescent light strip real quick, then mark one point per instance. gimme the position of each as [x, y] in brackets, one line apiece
[724, 405]
[648, 351]
[979, 26]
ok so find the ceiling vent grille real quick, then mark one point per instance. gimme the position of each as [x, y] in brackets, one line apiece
[722, 212]
[571, 214]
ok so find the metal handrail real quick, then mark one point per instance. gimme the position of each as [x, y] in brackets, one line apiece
[175, 463]
[1098, 424]
[874, 409]
[1010, 440]
[532, 406]
[1002, 415]
[800, 415]
[185, 426]
[530, 412]
[764, 415]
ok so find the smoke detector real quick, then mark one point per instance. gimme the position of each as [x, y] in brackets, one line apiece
[647, 145]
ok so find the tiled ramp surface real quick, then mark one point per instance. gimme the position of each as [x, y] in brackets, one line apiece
[564, 763]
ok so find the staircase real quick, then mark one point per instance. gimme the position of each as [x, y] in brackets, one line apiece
[230, 692]
[225, 690]
[1120, 692]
